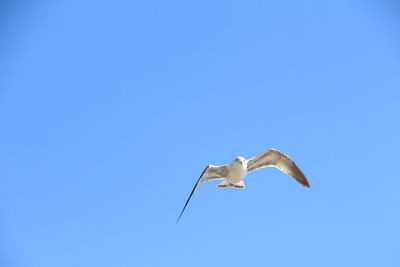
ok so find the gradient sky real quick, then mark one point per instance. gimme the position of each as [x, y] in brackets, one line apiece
[110, 110]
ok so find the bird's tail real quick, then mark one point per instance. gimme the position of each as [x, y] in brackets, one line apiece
[239, 185]
[225, 183]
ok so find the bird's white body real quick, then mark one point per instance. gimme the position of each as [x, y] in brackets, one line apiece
[237, 173]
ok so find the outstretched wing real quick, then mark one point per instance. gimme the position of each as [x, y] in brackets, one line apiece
[209, 173]
[275, 158]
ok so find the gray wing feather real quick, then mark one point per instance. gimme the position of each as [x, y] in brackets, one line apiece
[210, 173]
[214, 173]
[275, 158]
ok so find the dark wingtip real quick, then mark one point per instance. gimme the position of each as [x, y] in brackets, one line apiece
[305, 182]
[179, 218]
[180, 215]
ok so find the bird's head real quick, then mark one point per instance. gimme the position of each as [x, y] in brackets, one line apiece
[238, 160]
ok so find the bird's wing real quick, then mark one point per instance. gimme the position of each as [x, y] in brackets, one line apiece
[212, 172]
[275, 158]
[209, 173]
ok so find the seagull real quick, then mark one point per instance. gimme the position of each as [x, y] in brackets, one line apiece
[234, 173]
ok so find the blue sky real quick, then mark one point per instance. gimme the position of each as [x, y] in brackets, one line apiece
[110, 110]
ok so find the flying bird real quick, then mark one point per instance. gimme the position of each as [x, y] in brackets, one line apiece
[234, 173]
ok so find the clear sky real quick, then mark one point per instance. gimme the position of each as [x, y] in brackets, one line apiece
[110, 110]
